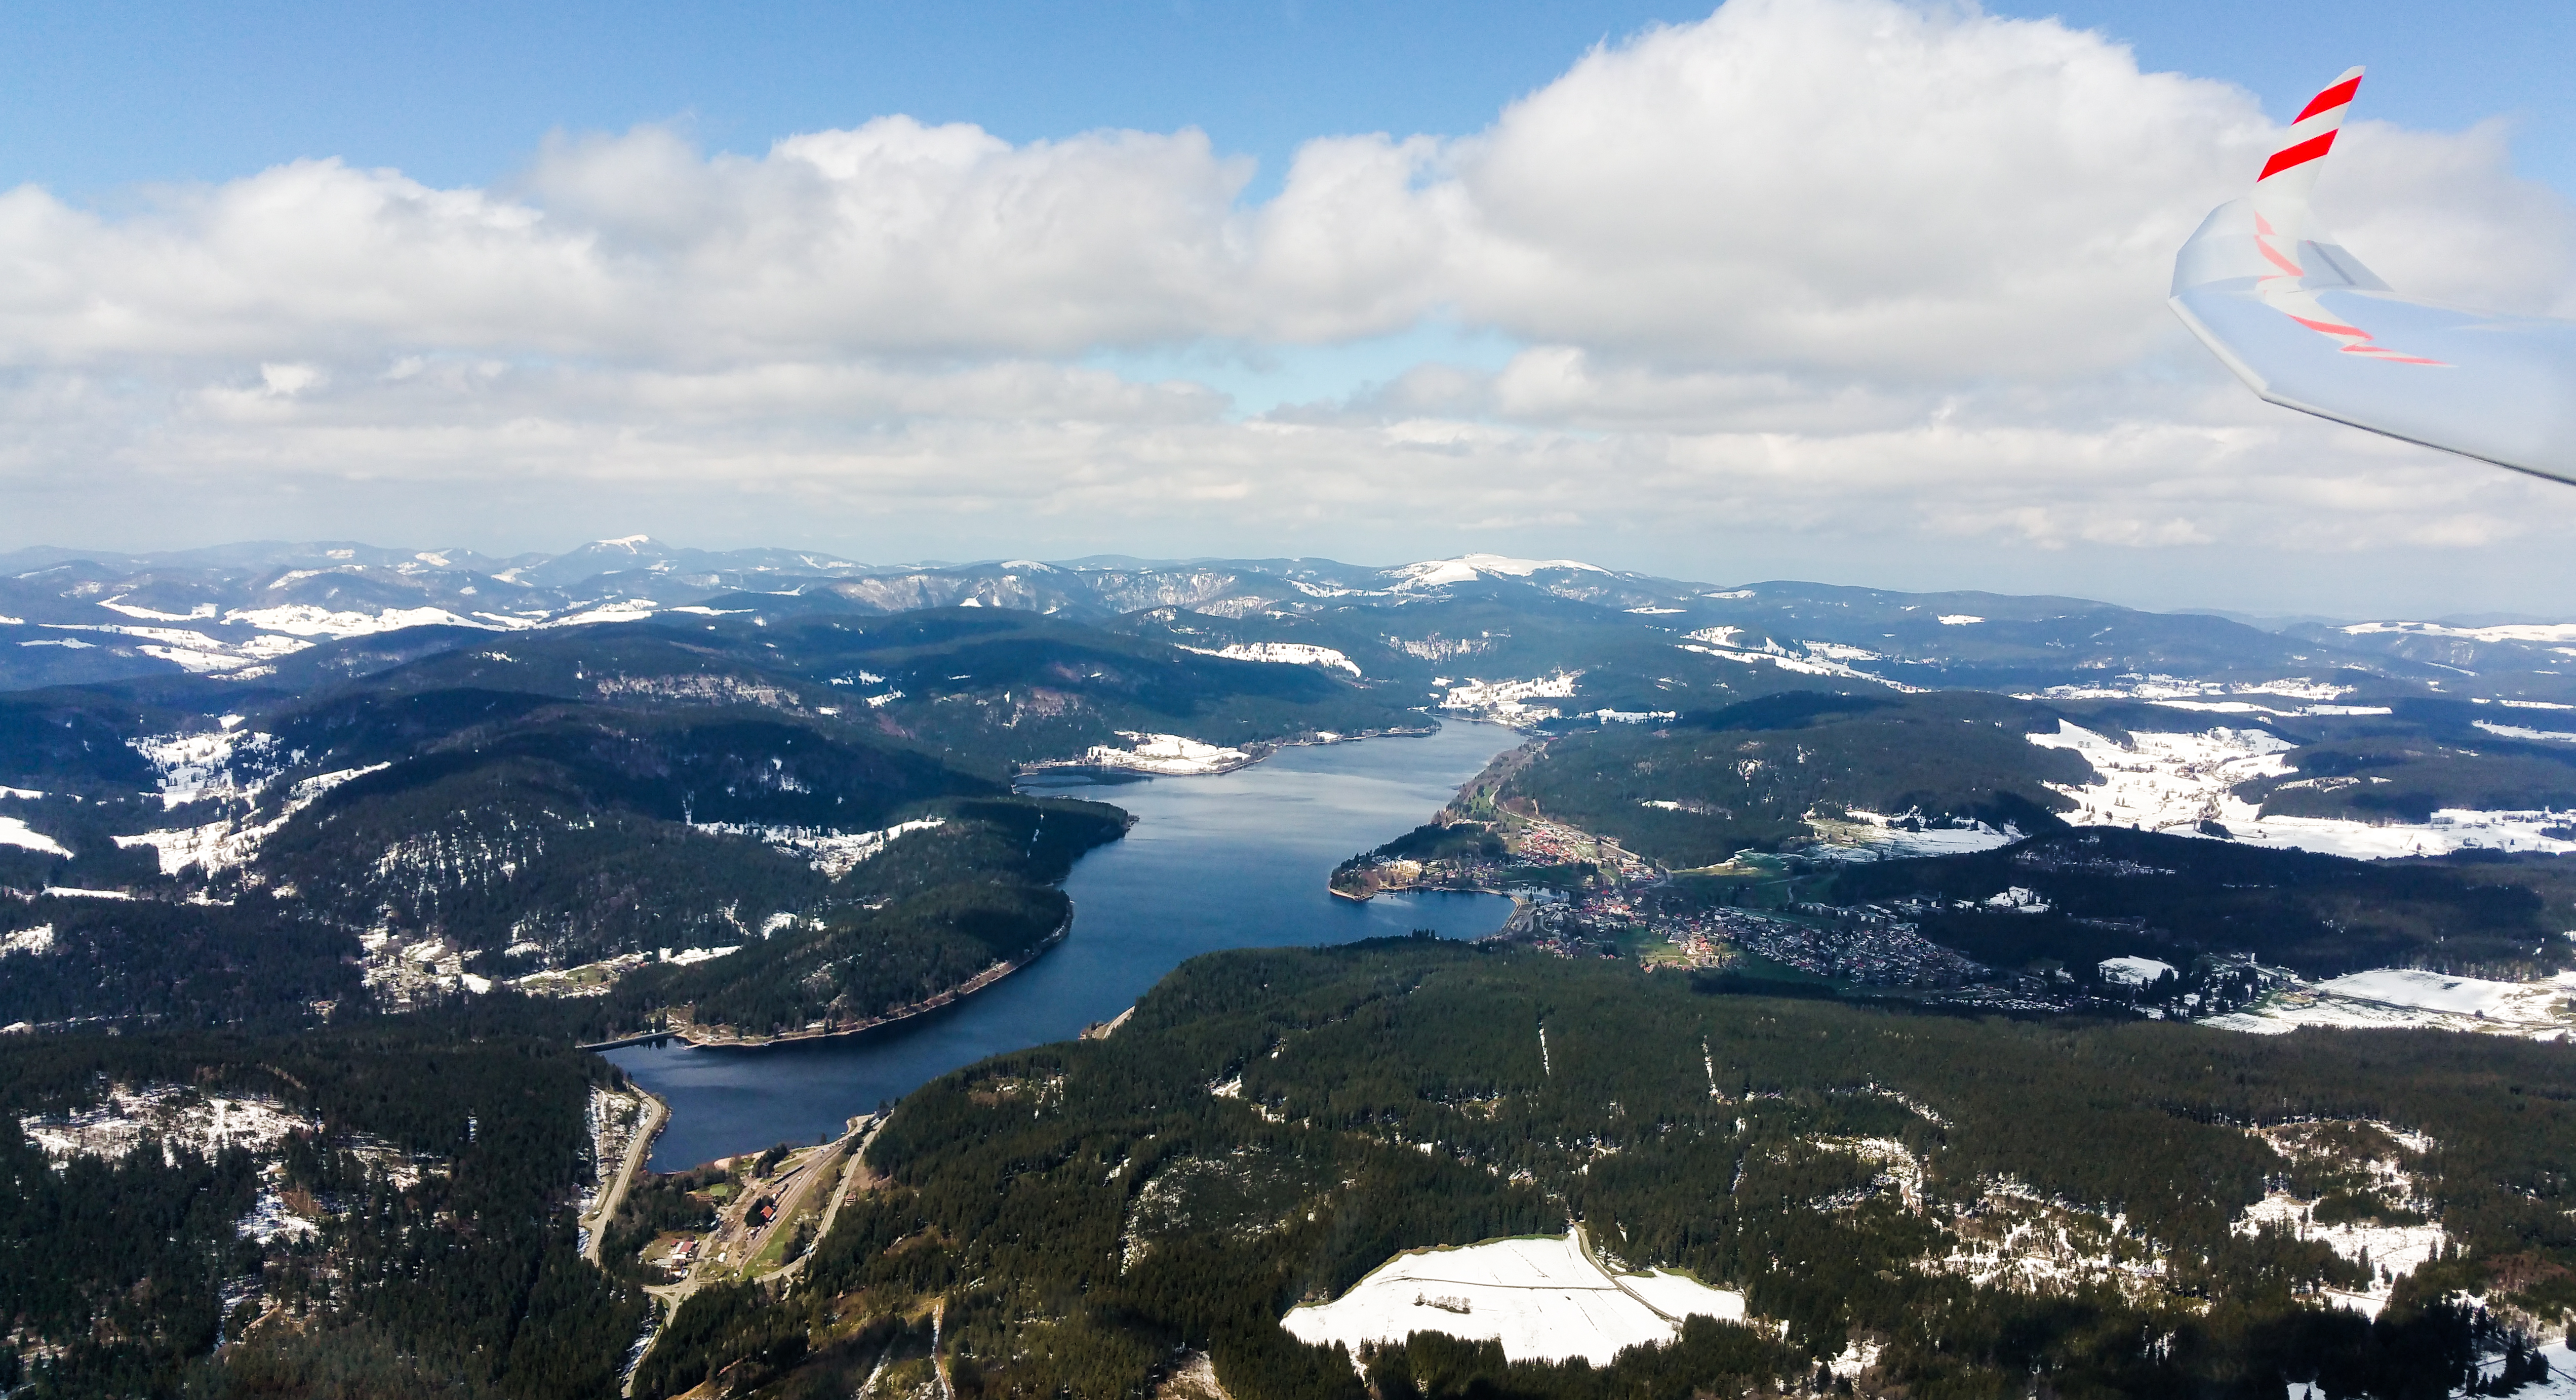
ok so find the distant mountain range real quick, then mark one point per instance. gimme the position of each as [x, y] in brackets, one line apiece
[1573, 636]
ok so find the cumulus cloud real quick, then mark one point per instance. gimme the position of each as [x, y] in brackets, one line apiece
[1859, 269]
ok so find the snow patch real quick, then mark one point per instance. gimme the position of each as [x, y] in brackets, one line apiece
[2516, 731]
[1866, 835]
[2539, 632]
[307, 620]
[1812, 658]
[833, 853]
[2134, 971]
[2174, 782]
[2400, 998]
[235, 841]
[1467, 568]
[1283, 653]
[1544, 1299]
[1509, 701]
[34, 942]
[176, 1115]
[15, 832]
[1169, 754]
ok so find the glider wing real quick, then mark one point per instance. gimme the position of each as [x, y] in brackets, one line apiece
[2306, 326]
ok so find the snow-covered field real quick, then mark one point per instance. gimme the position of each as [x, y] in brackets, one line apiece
[2398, 1249]
[1542, 1298]
[176, 1115]
[2133, 971]
[2174, 782]
[2391, 1251]
[1866, 835]
[1508, 702]
[1811, 659]
[1283, 653]
[1467, 568]
[2161, 688]
[2541, 633]
[221, 845]
[201, 764]
[1170, 755]
[2394, 997]
[15, 832]
[833, 853]
[2560, 1385]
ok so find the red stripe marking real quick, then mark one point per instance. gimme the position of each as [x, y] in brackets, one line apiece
[2285, 158]
[2329, 327]
[2275, 259]
[2390, 356]
[2336, 96]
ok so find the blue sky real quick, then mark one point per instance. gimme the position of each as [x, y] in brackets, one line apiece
[106, 93]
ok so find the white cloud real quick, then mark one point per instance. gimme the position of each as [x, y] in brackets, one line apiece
[1816, 270]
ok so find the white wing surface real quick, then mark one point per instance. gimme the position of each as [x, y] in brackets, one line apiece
[2306, 326]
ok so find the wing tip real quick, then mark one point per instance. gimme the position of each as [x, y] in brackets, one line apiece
[2336, 94]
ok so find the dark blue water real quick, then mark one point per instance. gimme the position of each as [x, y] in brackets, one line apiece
[1235, 861]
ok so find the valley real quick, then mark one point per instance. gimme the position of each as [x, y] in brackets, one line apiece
[1790, 986]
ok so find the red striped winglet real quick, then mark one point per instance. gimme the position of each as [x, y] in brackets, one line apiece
[2313, 133]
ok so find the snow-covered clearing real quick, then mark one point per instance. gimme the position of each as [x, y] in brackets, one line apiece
[2133, 971]
[1168, 754]
[1865, 835]
[2016, 1239]
[2516, 731]
[271, 1219]
[621, 610]
[2399, 1249]
[2391, 1251]
[35, 941]
[15, 832]
[2156, 686]
[234, 841]
[2542, 633]
[306, 620]
[833, 853]
[201, 764]
[591, 979]
[1467, 568]
[2394, 997]
[1508, 702]
[1542, 1298]
[1283, 653]
[1812, 658]
[177, 1115]
[2174, 782]
[2559, 1385]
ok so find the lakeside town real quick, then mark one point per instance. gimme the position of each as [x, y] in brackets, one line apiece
[1756, 922]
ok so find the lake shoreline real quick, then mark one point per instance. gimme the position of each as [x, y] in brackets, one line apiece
[696, 1040]
[1252, 753]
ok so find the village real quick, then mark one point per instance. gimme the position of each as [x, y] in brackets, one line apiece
[1581, 895]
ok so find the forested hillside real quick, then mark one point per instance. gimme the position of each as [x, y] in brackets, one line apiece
[1272, 1125]
[1697, 789]
[393, 824]
[380, 1210]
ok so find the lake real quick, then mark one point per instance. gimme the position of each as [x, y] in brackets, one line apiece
[1237, 860]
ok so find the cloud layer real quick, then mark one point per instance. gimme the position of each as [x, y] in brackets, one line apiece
[1867, 278]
